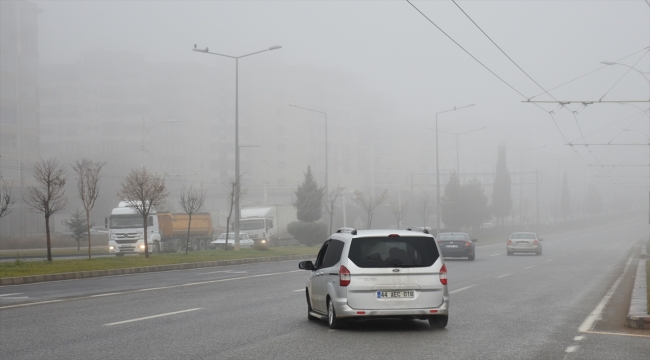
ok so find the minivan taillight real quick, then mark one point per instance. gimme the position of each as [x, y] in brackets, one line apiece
[344, 276]
[535, 242]
[509, 242]
[443, 274]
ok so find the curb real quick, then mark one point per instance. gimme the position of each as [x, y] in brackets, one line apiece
[644, 252]
[138, 270]
[638, 316]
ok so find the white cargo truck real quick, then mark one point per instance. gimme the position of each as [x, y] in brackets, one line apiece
[268, 224]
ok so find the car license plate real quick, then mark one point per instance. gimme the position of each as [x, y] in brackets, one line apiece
[522, 242]
[452, 246]
[408, 294]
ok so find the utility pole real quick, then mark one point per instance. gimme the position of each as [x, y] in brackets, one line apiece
[537, 199]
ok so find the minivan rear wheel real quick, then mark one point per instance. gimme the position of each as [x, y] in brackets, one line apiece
[438, 321]
[332, 321]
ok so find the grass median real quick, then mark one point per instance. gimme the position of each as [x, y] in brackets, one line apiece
[647, 287]
[28, 268]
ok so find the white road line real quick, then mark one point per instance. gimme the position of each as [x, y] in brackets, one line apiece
[10, 294]
[589, 322]
[578, 338]
[151, 317]
[15, 297]
[224, 271]
[571, 349]
[299, 290]
[530, 267]
[461, 289]
[502, 276]
[100, 295]
[549, 260]
[150, 289]
[495, 254]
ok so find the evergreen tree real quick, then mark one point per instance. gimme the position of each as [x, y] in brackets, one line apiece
[452, 203]
[566, 201]
[77, 225]
[309, 199]
[475, 206]
[501, 197]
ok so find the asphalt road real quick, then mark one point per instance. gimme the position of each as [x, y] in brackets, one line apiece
[502, 307]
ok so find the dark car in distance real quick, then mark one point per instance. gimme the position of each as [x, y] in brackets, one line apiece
[456, 244]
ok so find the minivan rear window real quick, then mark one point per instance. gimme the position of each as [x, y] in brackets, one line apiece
[380, 252]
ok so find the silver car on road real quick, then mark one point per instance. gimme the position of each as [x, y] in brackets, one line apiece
[378, 273]
[524, 242]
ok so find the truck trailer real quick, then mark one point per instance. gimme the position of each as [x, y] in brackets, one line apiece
[167, 232]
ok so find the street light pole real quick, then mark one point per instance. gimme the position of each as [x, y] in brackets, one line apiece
[437, 166]
[237, 177]
[326, 162]
[457, 153]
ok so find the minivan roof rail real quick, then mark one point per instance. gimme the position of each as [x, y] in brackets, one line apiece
[422, 229]
[347, 230]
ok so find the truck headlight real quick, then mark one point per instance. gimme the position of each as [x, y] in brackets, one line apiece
[111, 247]
[263, 241]
[142, 246]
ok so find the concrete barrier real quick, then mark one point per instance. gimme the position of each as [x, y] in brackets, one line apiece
[638, 316]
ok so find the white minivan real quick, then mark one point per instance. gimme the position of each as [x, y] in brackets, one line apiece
[378, 273]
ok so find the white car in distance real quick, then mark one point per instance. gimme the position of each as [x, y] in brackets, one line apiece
[244, 241]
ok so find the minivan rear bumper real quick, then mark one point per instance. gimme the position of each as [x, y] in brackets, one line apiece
[344, 311]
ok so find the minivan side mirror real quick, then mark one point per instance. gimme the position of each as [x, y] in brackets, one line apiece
[306, 265]
[474, 240]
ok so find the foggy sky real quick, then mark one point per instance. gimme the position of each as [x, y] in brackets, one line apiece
[399, 55]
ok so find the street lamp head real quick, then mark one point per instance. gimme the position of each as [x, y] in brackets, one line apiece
[607, 62]
[275, 47]
[200, 50]
[173, 121]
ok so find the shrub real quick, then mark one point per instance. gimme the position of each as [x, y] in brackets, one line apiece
[308, 233]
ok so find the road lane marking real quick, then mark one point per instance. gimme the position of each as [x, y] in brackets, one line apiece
[100, 295]
[150, 289]
[10, 294]
[495, 254]
[615, 333]
[502, 276]
[529, 267]
[299, 290]
[571, 349]
[15, 297]
[224, 271]
[588, 323]
[461, 289]
[549, 260]
[151, 317]
[578, 338]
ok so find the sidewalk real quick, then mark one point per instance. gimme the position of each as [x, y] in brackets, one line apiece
[638, 316]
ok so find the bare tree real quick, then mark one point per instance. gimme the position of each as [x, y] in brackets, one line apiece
[399, 210]
[191, 201]
[7, 199]
[143, 191]
[88, 176]
[331, 200]
[425, 208]
[231, 188]
[48, 195]
[368, 202]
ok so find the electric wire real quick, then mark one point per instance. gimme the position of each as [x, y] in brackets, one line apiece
[591, 72]
[627, 72]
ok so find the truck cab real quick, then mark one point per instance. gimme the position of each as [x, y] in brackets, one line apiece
[258, 229]
[126, 231]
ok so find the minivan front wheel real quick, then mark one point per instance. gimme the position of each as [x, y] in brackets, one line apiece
[438, 321]
[332, 320]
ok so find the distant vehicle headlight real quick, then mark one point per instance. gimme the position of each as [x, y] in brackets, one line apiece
[263, 241]
[142, 246]
[111, 247]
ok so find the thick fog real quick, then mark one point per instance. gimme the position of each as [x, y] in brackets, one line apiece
[118, 82]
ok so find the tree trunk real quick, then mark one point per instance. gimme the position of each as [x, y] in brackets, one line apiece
[187, 242]
[227, 230]
[146, 247]
[47, 235]
[88, 228]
